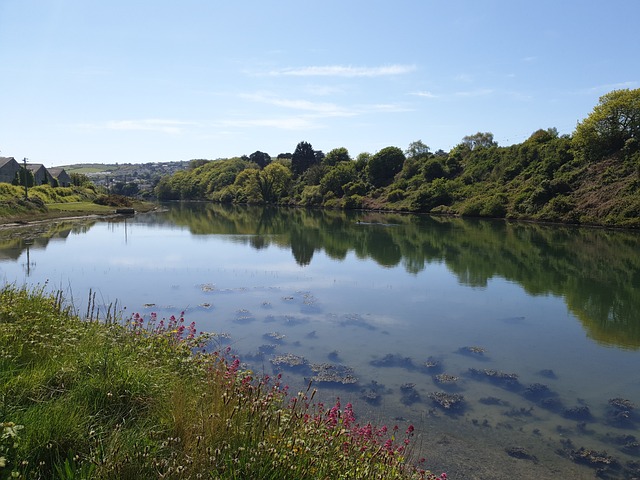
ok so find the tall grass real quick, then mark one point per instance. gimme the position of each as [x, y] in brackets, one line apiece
[148, 398]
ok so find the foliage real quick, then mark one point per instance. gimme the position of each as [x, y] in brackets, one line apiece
[336, 156]
[260, 158]
[614, 121]
[149, 398]
[384, 165]
[201, 182]
[113, 200]
[479, 140]
[127, 189]
[42, 200]
[80, 180]
[548, 177]
[303, 158]
[24, 176]
[273, 182]
[338, 177]
[417, 149]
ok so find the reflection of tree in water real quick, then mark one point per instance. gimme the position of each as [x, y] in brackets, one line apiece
[606, 314]
[596, 271]
[381, 246]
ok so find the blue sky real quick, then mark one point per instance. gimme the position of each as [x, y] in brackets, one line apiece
[135, 81]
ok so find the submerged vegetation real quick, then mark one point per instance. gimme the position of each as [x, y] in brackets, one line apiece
[590, 177]
[150, 398]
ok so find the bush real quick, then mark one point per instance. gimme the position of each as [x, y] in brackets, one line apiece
[353, 202]
[113, 201]
[396, 195]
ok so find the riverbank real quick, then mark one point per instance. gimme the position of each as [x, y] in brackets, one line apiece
[149, 398]
[68, 211]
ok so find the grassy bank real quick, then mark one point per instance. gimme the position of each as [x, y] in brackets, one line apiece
[46, 203]
[149, 398]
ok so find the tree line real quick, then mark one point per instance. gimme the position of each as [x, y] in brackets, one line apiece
[591, 176]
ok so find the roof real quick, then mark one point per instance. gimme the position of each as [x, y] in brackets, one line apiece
[5, 160]
[55, 171]
[35, 166]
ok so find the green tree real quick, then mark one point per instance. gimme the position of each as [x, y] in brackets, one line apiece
[384, 166]
[195, 163]
[79, 179]
[247, 187]
[337, 177]
[163, 189]
[260, 158]
[127, 189]
[362, 160]
[417, 149]
[543, 136]
[24, 176]
[303, 158]
[479, 140]
[614, 121]
[273, 182]
[336, 156]
[433, 169]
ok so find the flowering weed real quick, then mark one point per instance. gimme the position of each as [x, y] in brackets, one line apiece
[149, 398]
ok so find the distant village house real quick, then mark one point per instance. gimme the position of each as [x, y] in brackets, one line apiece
[56, 176]
[63, 178]
[41, 175]
[8, 169]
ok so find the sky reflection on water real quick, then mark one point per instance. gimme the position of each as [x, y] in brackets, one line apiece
[351, 300]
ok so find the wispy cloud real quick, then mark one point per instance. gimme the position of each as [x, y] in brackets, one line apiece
[424, 94]
[480, 92]
[386, 108]
[344, 71]
[464, 77]
[325, 109]
[284, 123]
[606, 88]
[173, 127]
[322, 90]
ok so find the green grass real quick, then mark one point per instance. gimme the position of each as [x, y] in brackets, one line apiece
[80, 207]
[46, 202]
[141, 398]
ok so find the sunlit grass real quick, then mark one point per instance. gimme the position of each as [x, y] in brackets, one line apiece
[148, 398]
[83, 207]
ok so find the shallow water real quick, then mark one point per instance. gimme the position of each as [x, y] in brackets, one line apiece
[382, 294]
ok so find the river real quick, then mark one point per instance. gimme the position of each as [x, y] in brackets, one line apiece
[532, 332]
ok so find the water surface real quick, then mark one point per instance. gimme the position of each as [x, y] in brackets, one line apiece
[556, 307]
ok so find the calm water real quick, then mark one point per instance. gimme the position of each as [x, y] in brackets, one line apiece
[382, 294]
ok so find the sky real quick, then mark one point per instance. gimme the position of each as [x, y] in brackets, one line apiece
[137, 81]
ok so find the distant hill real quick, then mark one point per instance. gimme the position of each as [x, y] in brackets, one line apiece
[144, 175]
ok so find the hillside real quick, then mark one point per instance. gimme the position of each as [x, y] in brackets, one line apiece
[591, 177]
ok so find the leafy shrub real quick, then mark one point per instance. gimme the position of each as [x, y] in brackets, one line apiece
[396, 195]
[353, 202]
[113, 201]
[495, 206]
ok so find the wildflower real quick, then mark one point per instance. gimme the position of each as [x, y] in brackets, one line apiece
[410, 429]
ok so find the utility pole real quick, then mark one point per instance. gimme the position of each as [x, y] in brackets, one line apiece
[26, 182]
